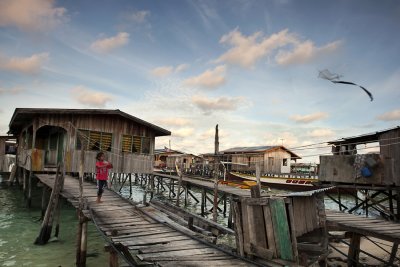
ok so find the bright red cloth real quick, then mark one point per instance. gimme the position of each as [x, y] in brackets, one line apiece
[102, 170]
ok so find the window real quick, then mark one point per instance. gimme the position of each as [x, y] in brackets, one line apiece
[284, 163]
[135, 144]
[92, 140]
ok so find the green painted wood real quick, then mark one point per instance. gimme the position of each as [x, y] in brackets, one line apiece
[281, 229]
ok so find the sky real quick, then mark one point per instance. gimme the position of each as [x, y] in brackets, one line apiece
[249, 66]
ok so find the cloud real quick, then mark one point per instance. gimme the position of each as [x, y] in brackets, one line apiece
[29, 65]
[209, 79]
[174, 122]
[139, 16]
[322, 132]
[162, 71]
[393, 115]
[31, 15]
[221, 103]
[168, 70]
[247, 50]
[183, 132]
[309, 118]
[106, 45]
[90, 97]
[305, 52]
[11, 91]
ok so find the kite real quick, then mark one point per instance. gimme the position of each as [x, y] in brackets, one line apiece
[335, 78]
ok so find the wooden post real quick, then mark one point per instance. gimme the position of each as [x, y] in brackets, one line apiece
[113, 260]
[57, 215]
[29, 200]
[230, 214]
[180, 182]
[24, 181]
[216, 168]
[238, 228]
[258, 175]
[203, 201]
[43, 206]
[47, 224]
[83, 246]
[151, 186]
[354, 250]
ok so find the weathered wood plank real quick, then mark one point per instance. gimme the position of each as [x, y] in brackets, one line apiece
[281, 227]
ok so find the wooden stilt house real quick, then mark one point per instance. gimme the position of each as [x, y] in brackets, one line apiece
[347, 165]
[48, 136]
[272, 159]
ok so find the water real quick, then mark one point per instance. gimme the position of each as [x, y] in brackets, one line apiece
[19, 227]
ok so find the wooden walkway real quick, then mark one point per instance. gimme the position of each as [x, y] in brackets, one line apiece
[378, 228]
[209, 185]
[146, 233]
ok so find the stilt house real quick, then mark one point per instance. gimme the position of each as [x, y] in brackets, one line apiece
[48, 136]
[272, 159]
[161, 155]
[7, 153]
[348, 166]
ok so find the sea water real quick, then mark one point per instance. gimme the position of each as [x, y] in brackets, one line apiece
[19, 227]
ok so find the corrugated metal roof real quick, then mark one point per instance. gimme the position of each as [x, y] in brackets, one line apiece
[249, 149]
[22, 114]
[257, 149]
[366, 138]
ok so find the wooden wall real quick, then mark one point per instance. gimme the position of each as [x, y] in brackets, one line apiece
[390, 154]
[118, 126]
[340, 168]
[267, 166]
[269, 228]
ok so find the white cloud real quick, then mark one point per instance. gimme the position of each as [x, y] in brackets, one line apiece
[209, 79]
[162, 71]
[183, 132]
[220, 103]
[10, 91]
[247, 50]
[181, 67]
[29, 65]
[309, 118]
[106, 45]
[174, 121]
[139, 16]
[305, 52]
[321, 132]
[168, 70]
[90, 97]
[31, 14]
[393, 115]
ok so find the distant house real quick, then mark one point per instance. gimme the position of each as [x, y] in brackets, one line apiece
[161, 155]
[46, 137]
[347, 165]
[8, 148]
[272, 159]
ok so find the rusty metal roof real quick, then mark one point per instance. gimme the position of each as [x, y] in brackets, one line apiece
[257, 149]
[23, 115]
[363, 138]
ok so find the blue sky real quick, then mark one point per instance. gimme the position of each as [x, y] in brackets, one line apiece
[250, 66]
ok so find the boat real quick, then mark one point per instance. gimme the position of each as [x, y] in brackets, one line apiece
[283, 181]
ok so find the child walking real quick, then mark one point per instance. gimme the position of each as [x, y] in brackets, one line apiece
[102, 168]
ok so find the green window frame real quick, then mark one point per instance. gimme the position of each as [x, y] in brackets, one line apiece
[94, 140]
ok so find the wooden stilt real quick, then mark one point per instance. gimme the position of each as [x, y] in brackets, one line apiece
[179, 183]
[225, 205]
[151, 186]
[230, 214]
[215, 202]
[83, 244]
[29, 200]
[186, 195]
[57, 215]
[393, 254]
[44, 202]
[47, 224]
[354, 250]
[203, 201]
[24, 184]
[113, 260]
[130, 185]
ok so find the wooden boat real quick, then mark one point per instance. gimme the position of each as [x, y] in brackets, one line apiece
[279, 182]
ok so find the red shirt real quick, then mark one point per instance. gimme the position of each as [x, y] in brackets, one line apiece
[102, 170]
